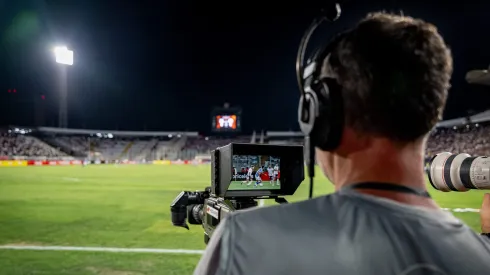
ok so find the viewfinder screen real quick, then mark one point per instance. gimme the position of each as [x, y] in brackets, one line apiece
[253, 172]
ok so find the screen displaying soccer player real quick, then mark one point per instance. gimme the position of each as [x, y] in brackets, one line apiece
[255, 172]
[226, 122]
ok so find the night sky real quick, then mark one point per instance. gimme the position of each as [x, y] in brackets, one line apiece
[163, 65]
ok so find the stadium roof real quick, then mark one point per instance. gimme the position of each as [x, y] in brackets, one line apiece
[283, 134]
[115, 133]
[481, 77]
[480, 117]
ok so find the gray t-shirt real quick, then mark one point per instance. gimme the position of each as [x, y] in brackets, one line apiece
[345, 233]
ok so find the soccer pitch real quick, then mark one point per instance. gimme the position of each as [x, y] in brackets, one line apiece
[125, 206]
[254, 185]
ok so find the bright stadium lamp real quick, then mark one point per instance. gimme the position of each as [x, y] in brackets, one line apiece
[63, 55]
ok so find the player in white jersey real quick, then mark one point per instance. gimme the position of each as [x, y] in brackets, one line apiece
[234, 173]
[249, 177]
[270, 171]
[276, 173]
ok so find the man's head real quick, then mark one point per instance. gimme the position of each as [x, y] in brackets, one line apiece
[395, 74]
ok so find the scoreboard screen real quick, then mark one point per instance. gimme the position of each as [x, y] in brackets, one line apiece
[226, 120]
[226, 123]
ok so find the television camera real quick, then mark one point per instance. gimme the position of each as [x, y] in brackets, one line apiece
[240, 174]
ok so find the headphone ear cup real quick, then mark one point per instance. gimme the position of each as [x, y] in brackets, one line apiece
[307, 112]
[329, 124]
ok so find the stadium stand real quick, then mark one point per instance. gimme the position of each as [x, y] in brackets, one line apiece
[164, 149]
[468, 135]
[146, 149]
[470, 138]
[77, 146]
[204, 145]
[110, 149]
[20, 146]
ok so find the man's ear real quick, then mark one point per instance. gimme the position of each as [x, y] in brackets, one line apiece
[352, 142]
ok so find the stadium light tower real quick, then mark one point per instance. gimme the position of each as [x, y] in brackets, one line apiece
[64, 57]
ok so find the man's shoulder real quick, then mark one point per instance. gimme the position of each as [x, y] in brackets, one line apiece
[284, 214]
[307, 204]
[345, 208]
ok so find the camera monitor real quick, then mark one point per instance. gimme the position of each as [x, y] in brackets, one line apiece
[252, 170]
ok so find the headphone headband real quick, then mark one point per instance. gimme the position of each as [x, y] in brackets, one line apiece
[322, 53]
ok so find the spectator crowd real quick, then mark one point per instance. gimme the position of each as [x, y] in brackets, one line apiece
[471, 138]
[25, 146]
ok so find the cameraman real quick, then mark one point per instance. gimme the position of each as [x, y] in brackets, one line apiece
[395, 74]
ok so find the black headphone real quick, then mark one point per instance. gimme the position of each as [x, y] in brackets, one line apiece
[321, 108]
[320, 111]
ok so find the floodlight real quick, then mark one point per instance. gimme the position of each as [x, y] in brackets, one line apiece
[63, 55]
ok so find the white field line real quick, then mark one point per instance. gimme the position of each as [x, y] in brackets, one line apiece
[71, 179]
[462, 210]
[100, 249]
[149, 250]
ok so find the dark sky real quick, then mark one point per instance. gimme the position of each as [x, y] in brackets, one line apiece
[163, 65]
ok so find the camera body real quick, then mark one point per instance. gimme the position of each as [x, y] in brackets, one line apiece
[240, 174]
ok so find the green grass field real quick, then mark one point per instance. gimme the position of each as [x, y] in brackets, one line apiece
[117, 206]
[264, 185]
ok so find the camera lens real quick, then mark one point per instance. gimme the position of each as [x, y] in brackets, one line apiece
[459, 172]
[195, 213]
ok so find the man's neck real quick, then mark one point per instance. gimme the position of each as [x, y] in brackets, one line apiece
[385, 163]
